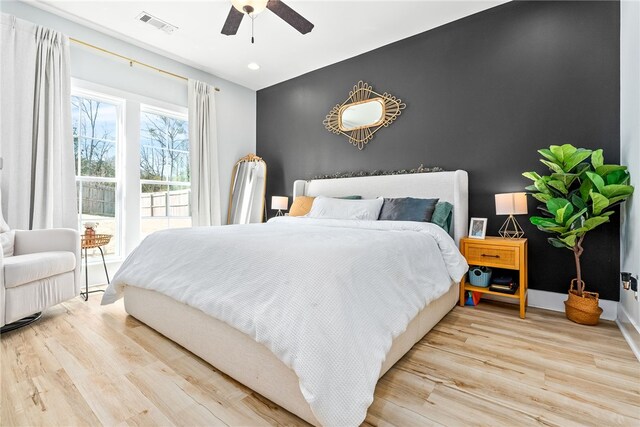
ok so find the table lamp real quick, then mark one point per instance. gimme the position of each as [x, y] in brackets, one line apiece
[511, 204]
[281, 203]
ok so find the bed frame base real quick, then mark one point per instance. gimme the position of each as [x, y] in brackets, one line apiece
[248, 361]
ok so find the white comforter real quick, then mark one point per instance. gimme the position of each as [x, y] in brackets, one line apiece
[327, 297]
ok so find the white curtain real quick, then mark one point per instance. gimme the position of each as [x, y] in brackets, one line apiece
[36, 142]
[203, 140]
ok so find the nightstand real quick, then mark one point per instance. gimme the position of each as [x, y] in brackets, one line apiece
[497, 252]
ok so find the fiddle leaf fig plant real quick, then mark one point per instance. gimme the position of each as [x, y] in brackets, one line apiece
[579, 194]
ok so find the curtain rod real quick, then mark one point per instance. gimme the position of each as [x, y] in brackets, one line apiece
[131, 60]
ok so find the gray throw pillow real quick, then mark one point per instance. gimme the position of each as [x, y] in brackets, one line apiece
[407, 209]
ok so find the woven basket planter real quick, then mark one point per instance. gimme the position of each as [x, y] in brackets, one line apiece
[582, 309]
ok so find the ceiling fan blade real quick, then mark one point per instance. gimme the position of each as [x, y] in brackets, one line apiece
[290, 16]
[232, 23]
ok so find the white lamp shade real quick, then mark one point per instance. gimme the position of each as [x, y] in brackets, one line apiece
[257, 5]
[511, 204]
[280, 203]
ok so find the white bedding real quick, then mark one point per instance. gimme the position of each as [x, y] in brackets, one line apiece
[327, 297]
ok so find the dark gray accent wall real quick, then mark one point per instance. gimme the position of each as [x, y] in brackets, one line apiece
[483, 94]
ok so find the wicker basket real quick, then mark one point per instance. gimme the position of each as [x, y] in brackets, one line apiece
[582, 309]
[95, 240]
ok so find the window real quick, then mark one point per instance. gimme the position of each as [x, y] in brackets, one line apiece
[132, 165]
[96, 143]
[164, 171]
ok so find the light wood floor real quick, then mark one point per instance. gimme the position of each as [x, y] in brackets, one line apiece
[83, 364]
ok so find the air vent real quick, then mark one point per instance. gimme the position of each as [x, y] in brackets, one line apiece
[156, 22]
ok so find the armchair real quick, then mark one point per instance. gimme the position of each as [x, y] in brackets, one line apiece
[43, 271]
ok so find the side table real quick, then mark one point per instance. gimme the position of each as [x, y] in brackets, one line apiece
[91, 242]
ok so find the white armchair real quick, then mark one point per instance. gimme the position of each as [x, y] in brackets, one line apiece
[43, 271]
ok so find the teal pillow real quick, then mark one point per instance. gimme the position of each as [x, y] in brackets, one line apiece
[442, 215]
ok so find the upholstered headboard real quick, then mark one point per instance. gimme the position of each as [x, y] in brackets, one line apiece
[451, 187]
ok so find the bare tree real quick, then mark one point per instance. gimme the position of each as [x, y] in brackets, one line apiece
[92, 145]
[95, 158]
[164, 158]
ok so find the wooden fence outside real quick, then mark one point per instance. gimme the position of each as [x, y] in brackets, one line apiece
[165, 203]
[100, 199]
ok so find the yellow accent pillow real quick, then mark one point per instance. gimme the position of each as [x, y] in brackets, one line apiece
[301, 206]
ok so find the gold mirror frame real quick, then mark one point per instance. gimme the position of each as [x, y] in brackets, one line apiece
[363, 92]
[247, 159]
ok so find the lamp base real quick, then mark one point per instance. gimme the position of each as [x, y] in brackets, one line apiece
[279, 213]
[511, 229]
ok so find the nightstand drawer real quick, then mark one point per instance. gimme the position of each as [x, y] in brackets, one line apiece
[498, 256]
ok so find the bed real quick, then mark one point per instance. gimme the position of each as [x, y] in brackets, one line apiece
[279, 374]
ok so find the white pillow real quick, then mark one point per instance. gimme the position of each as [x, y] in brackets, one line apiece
[7, 235]
[7, 242]
[330, 208]
[4, 227]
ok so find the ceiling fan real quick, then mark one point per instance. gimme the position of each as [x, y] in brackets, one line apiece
[240, 8]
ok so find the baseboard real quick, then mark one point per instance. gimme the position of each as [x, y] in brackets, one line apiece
[555, 302]
[630, 330]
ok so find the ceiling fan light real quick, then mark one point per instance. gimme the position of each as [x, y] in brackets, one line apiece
[257, 5]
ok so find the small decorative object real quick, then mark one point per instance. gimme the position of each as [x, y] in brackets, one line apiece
[478, 228]
[90, 231]
[363, 113]
[579, 195]
[511, 204]
[281, 203]
[480, 276]
[472, 298]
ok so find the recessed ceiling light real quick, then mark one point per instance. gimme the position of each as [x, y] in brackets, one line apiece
[253, 66]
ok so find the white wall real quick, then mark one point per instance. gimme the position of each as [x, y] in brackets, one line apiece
[236, 105]
[629, 308]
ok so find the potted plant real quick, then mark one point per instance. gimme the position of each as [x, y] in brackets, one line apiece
[578, 195]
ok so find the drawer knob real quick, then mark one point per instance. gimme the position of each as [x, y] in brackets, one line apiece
[490, 256]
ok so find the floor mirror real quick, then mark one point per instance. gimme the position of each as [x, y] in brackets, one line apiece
[248, 191]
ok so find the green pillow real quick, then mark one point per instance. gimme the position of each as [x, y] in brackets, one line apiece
[442, 215]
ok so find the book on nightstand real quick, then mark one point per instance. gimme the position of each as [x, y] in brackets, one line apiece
[508, 288]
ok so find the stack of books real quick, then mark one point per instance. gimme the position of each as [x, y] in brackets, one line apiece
[506, 288]
[504, 284]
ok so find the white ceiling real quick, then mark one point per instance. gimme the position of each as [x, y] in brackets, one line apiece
[343, 29]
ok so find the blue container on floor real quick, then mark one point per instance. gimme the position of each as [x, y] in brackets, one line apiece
[480, 276]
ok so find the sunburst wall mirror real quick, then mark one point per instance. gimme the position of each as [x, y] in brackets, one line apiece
[363, 114]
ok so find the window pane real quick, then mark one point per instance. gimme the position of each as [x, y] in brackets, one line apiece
[178, 201]
[97, 157]
[164, 206]
[95, 119]
[164, 148]
[179, 206]
[179, 170]
[98, 198]
[153, 210]
[96, 203]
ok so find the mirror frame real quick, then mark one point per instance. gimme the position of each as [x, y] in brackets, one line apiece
[248, 158]
[363, 92]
